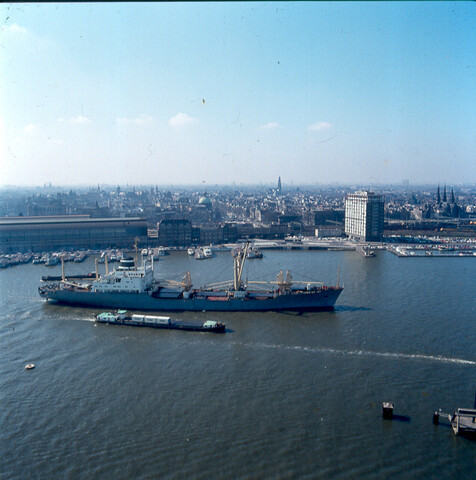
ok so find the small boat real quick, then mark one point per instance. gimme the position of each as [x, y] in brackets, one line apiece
[154, 253]
[191, 251]
[4, 263]
[120, 318]
[30, 366]
[199, 255]
[80, 257]
[207, 251]
[254, 253]
[52, 260]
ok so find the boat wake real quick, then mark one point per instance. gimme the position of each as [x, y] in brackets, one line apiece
[364, 353]
[84, 319]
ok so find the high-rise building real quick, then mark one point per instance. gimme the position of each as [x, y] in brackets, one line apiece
[279, 185]
[364, 216]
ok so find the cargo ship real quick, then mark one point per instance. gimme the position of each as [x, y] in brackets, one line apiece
[120, 317]
[130, 287]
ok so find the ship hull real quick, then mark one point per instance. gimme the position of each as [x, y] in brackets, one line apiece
[188, 327]
[312, 301]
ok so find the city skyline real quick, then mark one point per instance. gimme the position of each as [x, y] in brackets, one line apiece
[196, 93]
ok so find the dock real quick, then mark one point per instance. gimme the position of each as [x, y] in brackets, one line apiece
[463, 421]
[366, 251]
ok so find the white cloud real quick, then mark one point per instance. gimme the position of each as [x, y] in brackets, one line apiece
[318, 126]
[79, 120]
[270, 126]
[15, 29]
[31, 129]
[142, 120]
[181, 120]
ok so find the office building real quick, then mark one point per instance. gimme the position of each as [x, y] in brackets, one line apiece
[364, 216]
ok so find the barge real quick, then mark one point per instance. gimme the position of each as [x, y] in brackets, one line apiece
[121, 318]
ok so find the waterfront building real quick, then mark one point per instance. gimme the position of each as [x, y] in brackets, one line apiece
[211, 234]
[364, 218]
[327, 231]
[47, 233]
[174, 232]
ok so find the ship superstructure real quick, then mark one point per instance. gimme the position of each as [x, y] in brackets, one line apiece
[134, 287]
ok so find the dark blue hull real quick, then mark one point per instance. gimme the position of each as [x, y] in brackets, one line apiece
[323, 299]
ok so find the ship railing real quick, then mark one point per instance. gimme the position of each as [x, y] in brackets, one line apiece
[227, 284]
[295, 282]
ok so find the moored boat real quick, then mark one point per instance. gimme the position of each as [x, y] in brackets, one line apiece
[199, 254]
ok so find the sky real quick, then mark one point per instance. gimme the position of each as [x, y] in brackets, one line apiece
[223, 93]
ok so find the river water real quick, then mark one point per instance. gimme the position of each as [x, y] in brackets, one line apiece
[279, 396]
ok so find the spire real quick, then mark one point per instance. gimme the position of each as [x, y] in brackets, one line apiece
[452, 196]
[444, 195]
[438, 198]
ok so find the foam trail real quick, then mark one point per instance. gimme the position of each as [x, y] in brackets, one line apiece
[77, 319]
[364, 353]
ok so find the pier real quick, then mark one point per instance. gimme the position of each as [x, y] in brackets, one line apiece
[463, 421]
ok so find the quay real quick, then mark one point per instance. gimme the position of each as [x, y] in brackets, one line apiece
[433, 248]
[463, 421]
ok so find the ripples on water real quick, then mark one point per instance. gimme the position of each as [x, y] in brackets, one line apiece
[278, 396]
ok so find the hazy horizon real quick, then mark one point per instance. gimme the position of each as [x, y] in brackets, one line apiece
[210, 94]
[263, 185]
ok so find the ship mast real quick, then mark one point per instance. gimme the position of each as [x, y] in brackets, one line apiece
[63, 278]
[135, 246]
[238, 264]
